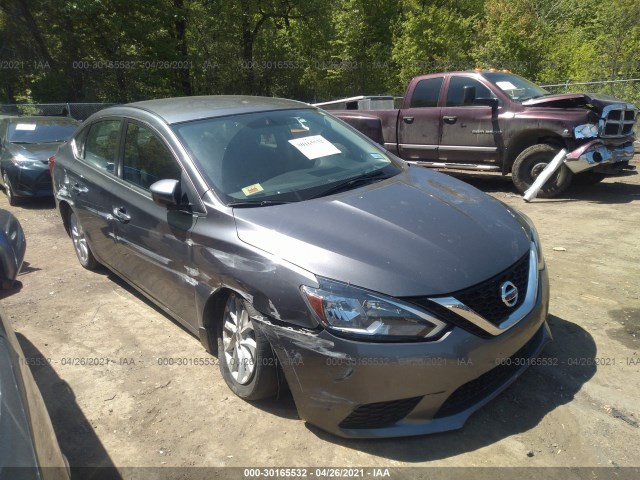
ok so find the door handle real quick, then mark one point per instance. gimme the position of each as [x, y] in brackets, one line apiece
[407, 119]
[121, 214]
[450, 119]
[79, 188]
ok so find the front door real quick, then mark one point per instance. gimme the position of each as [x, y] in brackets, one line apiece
[153, 247]
[470, 130]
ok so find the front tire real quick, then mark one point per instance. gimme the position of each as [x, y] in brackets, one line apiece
[8, 190]
[531, 162]
[80, 244]
[246, 360]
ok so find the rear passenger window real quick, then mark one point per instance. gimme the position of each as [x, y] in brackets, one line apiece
[101, 144]
[426, 93]
[146, 158]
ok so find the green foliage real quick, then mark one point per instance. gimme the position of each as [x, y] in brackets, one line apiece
[431, 38]
[120, 51]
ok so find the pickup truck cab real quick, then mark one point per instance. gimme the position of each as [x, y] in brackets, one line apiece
[498, 121]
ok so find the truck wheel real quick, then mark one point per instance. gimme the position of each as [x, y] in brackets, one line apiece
[589, 178]
[531, 162]
[246, 360]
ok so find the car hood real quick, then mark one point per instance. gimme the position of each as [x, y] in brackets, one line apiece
[34, 151]
[419, 233]
[592, 101]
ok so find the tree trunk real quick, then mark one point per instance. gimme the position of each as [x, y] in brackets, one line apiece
[184, 77]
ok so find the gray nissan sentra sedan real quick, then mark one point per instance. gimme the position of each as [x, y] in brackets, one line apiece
[391, 300]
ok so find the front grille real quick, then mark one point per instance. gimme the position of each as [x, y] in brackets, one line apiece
[486, 298]
[476, 390]
[618, 122]
[381, 414]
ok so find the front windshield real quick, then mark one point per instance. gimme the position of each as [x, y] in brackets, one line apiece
[280, 156]
[31, 130]
[518, 88]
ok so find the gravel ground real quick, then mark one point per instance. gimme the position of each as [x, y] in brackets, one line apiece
[128, 408]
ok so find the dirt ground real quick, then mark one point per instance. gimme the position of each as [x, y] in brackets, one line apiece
[131, 409]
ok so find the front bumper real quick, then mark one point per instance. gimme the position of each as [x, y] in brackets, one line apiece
[367, 390]
[30, 181]
[596, 155]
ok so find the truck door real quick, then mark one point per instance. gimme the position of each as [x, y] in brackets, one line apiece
[470, 130]
[419, 124]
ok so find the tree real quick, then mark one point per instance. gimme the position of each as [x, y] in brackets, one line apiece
[432, 37]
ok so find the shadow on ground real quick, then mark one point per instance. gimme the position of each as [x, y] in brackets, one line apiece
[539, 391]
[44, 203]
[76, 436]
[611, 191]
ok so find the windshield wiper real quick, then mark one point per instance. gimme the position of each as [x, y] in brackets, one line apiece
[256, 203]
[365, 178]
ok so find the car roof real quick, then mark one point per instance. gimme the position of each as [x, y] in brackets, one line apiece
[183, 109]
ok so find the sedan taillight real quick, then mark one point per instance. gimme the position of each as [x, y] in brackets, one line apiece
[52, 161]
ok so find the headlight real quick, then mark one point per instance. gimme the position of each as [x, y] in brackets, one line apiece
[588, 130]
[22, 161]
[357, 311]
[531, 230]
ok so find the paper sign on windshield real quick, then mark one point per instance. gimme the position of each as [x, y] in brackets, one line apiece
[315, 146]
[26, 126]
[506, 85]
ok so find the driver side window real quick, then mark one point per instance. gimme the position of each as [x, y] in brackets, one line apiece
[455, 94]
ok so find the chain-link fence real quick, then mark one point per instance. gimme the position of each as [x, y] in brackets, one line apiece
[79, 111]
[627, 89]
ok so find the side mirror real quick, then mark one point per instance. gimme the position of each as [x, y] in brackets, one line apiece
[166, 193]
[494, 103]
[468, 94]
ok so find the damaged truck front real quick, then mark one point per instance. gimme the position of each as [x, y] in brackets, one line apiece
[498, 121]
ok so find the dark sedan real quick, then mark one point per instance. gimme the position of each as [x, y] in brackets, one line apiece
[392, 300]
[28, 444]
[26, 143]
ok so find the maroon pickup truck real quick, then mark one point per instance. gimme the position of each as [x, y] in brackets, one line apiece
[498, 121]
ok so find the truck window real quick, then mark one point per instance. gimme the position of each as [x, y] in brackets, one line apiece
[455, 95]
[426, 93]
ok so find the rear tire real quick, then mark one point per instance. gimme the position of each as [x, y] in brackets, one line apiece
[246, 359]
[531, 162]
[80, 244]
[8, 189]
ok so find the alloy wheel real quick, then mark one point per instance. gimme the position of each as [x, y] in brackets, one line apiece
[79, 240]
[239, 341]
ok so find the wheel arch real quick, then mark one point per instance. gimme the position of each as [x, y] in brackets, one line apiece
[65, 213]
[527, 139]
[212, 316]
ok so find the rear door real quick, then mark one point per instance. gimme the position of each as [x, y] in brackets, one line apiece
[470, 131]
[153, 243]
[419, 125]
[89, 184]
